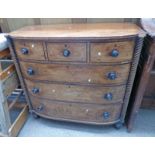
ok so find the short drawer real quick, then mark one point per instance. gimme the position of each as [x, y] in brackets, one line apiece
[87, 74]
[75, 93]
[67, 51]
[31, 50]
[76, 112]
[111, 52]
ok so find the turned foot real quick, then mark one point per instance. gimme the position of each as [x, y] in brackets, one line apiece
[35, 115]
[118, 125]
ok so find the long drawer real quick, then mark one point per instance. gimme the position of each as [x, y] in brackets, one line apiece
[76, 112]
[76, 93]
[88, 74]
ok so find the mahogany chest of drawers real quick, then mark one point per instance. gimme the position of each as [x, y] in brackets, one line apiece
[78, 72]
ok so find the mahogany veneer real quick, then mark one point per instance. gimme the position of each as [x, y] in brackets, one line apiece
[78, 72]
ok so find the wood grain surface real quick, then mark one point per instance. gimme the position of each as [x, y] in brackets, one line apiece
[74, 88]
[75, 93]
[35, 49]
[77, 51]
[101, 52]
[77, 30]
[76, 112]
[86, 74]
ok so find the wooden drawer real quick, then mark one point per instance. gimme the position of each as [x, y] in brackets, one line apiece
[75, 93]
[111, 52]
[77, 112]
[86, 74]
[67, 51]
[8, 80]
[29, 50]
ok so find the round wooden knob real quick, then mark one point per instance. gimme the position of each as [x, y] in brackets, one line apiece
[108, 96]
[40, 108]
[24, 51]
[35, 90]
[30, 71]
[114, 53]
[66, 53]
[106, 115]
[112, 75]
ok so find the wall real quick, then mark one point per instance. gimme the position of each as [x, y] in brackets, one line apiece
[10, 24]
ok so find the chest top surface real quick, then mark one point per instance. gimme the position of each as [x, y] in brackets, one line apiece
[99, 30]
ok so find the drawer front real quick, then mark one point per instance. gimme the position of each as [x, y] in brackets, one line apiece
[74, 93]
[30, 50]
[77, 73]
[66, 51]
[111, 52]
[77, 112]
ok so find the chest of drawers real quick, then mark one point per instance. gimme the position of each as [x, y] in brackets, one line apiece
[78, 72]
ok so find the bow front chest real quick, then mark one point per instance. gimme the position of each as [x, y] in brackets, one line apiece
[78, 72]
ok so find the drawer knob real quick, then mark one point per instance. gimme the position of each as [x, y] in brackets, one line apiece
[106, 115]
[108, 96]
[66, 53]
[24, 51]
[112, 75]
[30, 71]
[114, 53]
[35, 90]
[40, 107]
